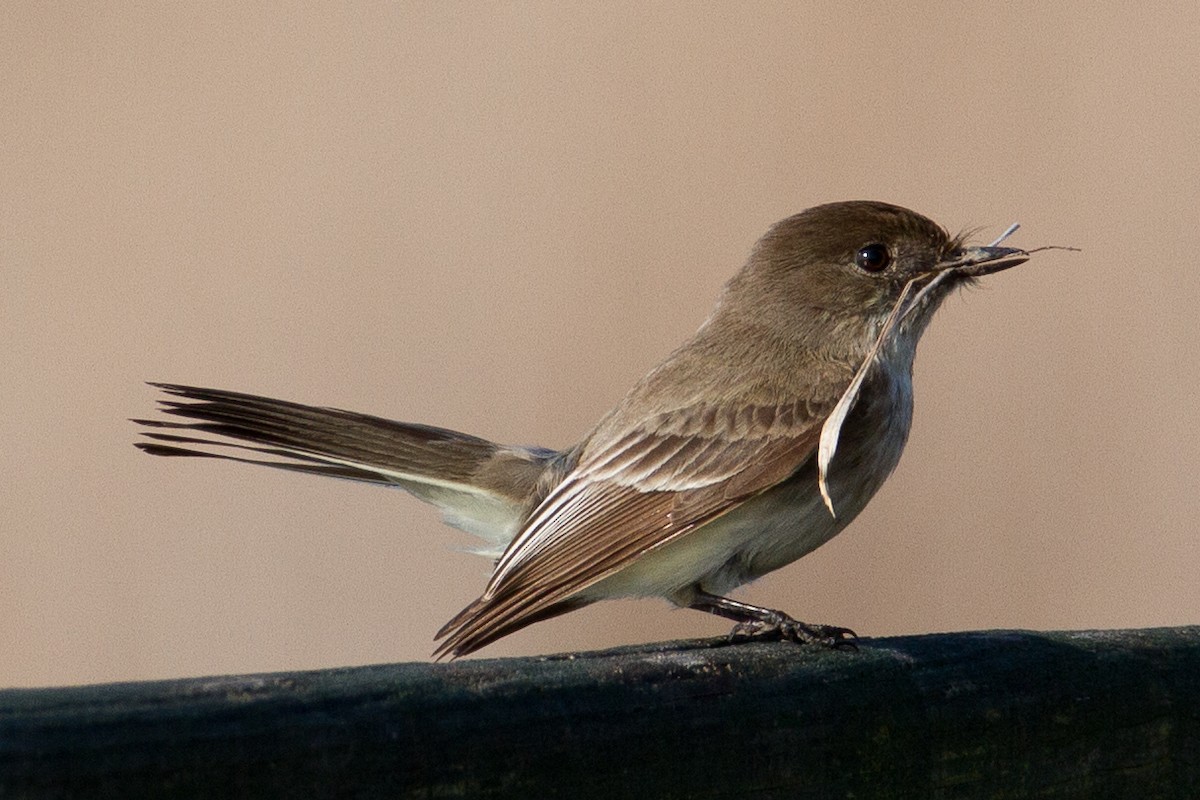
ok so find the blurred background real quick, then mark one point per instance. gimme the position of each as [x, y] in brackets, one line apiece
[495, 218]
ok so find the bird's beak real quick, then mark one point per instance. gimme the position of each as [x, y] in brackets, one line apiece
[976, 261]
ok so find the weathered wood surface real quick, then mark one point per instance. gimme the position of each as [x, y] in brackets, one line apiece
[994, 714]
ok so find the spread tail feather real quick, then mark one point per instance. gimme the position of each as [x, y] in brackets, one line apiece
[480, 486]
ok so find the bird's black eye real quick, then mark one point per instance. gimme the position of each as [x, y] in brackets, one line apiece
[873, 258]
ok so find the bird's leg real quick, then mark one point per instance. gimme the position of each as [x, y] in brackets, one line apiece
[755, 622]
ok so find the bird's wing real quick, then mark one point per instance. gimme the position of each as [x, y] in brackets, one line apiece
[634, 493]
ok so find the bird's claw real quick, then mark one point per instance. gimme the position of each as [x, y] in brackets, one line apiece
[793, 630]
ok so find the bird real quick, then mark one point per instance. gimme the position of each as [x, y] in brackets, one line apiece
[754, 442]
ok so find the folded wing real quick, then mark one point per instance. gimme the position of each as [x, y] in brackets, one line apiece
[642, 490]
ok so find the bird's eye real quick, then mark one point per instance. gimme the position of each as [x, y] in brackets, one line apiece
[873, 258]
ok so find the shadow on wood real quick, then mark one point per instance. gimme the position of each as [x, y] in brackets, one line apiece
[992, 714]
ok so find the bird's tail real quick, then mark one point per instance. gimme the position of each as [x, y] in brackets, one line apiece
[481, 487]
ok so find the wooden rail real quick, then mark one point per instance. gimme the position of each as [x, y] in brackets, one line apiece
[1007, 714]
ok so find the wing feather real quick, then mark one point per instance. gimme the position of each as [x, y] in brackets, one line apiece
[648, 487]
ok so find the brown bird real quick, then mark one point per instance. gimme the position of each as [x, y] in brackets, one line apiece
[755, 442]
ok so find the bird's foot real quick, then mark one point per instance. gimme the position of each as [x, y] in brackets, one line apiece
[757, 623]
[784, 628]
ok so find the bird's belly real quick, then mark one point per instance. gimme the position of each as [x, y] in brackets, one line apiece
[783, 523]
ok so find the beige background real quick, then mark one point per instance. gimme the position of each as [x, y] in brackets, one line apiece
[495, 218]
